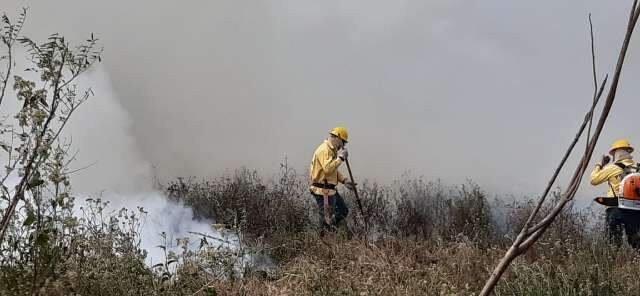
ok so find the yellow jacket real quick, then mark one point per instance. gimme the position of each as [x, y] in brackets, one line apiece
[324, 166]
[610, 173]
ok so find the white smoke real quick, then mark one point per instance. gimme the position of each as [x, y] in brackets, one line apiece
[118, 172]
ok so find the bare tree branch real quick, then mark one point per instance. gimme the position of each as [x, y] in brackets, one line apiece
[595, 80]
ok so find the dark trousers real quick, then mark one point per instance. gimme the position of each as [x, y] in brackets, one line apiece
[338, 209]
[629, 220]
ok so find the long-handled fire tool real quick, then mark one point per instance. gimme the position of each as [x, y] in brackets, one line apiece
[355, 191]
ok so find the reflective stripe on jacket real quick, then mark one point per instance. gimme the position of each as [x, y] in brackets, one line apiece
[324, 166]
[610, 173]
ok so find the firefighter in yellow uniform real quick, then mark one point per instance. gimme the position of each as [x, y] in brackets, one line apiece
[612, 174]
[324, 178]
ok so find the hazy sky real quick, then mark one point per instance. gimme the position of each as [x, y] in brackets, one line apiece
[489, 90]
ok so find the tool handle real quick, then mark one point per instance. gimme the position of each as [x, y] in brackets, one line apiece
[325, 203]
[355, 190]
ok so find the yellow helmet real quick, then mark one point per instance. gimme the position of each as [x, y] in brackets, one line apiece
[620, 144]
[341, 133]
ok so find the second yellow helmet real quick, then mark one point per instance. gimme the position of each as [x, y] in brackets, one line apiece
[620, 144]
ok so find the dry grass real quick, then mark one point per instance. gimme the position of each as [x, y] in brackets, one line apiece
[408, 267]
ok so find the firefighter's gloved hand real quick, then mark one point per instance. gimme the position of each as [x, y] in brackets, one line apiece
[343, 154]
[350, 185]
[605, 160]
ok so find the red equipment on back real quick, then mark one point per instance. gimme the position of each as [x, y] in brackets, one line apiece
[630, 186]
